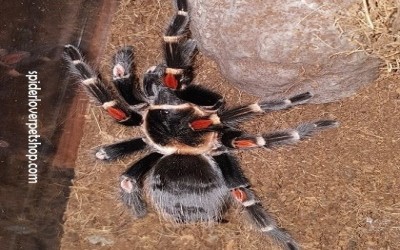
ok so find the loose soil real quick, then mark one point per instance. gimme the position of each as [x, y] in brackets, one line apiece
[336, 190]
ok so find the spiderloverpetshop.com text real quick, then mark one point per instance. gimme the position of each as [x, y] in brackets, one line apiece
[32, 124]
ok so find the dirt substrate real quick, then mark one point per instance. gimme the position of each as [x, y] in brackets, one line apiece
[337, 190]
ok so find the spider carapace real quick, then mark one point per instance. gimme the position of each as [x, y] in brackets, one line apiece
[190, 173]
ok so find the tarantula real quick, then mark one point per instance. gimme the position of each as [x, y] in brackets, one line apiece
[190, 173]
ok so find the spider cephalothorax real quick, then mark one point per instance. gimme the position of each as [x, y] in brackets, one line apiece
[190, 172]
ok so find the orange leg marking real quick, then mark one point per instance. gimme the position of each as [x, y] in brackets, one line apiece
[244, 144]
[201, 124]
[117, 114]
[239, 195]
[170, 81]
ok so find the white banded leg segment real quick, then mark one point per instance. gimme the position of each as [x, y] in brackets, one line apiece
[281, 138]
[101, 154]
[174, 71]
[238, 184]
[236, 115]
[266, 224]
[90, 81]
[267, 229]
[85, 75]
[292, 136]
[178, 55]
[249, 203]
[181, 6]
[100, 92]
[178, 26]
[182, 13]
[255, 108]
[285, 103]
[178, 49]
[173, 39]
[261, 219]
[237, 139]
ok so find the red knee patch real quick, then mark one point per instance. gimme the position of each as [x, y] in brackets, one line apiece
[245, 143]
[239, 195]
[170, 81]
[117, 114]
[201, 124]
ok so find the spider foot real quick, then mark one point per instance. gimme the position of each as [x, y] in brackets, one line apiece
[120, 149]
[263, 221]
[131, 196]
[123, 63]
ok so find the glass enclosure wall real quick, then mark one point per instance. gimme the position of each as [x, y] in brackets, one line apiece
[42, 114]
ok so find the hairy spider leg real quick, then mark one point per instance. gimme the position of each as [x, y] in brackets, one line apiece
[102, 94]
[124, 78]
[178, 54]
[152, 82]
[237, 139]
[232, 117]
[132, 183]
[240, 191]
[120, 149]
[178, 49]
[201, 96]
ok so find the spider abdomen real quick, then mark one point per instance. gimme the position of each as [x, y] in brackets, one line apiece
[188, 188]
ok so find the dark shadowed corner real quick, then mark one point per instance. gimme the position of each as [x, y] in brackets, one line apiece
[32, 37]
